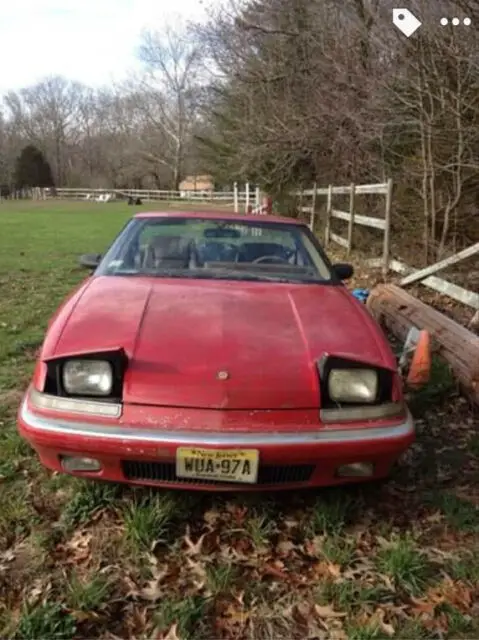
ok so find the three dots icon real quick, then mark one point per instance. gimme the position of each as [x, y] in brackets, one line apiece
[455, 21]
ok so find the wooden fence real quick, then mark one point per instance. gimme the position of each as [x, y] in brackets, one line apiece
[424, 276]
[351, 217]
[238, 198]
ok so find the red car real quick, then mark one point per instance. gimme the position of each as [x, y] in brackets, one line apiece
[216, 351]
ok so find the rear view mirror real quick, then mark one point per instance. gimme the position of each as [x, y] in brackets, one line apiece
[221, 233]
[343, 270]
[90, 260]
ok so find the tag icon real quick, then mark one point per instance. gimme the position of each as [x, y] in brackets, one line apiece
[405, 21]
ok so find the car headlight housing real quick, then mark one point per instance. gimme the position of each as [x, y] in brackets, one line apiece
[87, 377]
[353, 385]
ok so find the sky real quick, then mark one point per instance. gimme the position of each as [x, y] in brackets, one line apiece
[92, 41]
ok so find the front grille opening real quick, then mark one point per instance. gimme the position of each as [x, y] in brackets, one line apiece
[166, 472]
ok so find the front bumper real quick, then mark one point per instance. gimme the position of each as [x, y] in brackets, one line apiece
[145, 455]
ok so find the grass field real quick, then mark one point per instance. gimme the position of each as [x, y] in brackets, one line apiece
[86, 560]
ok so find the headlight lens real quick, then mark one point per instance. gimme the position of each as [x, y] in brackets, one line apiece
[88, 377]
[353, 385]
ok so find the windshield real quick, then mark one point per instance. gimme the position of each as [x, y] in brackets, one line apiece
[212, 248]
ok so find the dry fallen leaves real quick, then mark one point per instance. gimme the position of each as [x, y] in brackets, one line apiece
[237, 512]
[78, 548]
[325, 569]
[171, 635]
[194, 548]
[377, 620]
[328, 612]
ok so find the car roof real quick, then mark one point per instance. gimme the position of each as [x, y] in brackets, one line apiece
[218, 215]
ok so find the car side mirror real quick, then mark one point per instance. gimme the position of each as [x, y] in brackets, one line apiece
[343, 270]
[90, 260]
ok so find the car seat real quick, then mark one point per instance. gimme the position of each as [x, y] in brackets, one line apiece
[214, 251]
[166, 251]
[251, 251]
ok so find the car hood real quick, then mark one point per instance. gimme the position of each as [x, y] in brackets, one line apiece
[220, 344]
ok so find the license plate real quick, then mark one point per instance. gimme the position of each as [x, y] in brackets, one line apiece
[225, 465]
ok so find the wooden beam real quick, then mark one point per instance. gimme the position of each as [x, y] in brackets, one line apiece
[313, 209]
[442, 264]
[445, 287]
[342, 215]
[351, 219]
[387, 227]
[366, 221]
[329, 205]
[379, 189]
[399, 311]
[339, 240]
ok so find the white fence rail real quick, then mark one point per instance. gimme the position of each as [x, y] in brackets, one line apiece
[237, 198]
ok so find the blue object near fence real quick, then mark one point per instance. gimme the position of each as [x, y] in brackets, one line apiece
[361, 294]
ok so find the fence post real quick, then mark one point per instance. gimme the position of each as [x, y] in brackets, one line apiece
[351, 218]
[235, 196]
[300, 201]
[313, 209]
[329, 206]
[256, 198]
[387, 229]
[247, 196]
[269, 205]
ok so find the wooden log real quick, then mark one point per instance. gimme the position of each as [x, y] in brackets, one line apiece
[398, 311]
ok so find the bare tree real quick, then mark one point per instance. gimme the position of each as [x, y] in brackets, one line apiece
[167, 98]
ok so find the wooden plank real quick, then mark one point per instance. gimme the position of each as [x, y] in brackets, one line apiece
[329, 204]
[366, 221]
[342, 215]
[339, 240]
[313, 209]
[442, 264]
[454, 291]
[379, 189]
[374, 263]
[351, 219]
[399, 311]
[341, 191]
[387, 227]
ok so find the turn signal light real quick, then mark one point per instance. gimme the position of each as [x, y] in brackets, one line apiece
[356, 470]
[73, 464]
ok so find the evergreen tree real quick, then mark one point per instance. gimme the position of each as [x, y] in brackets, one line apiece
[32, 169]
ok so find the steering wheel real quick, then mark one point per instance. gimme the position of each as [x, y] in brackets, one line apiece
[272, 258]
[275, 258]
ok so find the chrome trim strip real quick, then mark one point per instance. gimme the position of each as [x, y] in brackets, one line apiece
[159, 436]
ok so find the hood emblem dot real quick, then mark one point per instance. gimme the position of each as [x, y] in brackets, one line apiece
[222, 375]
